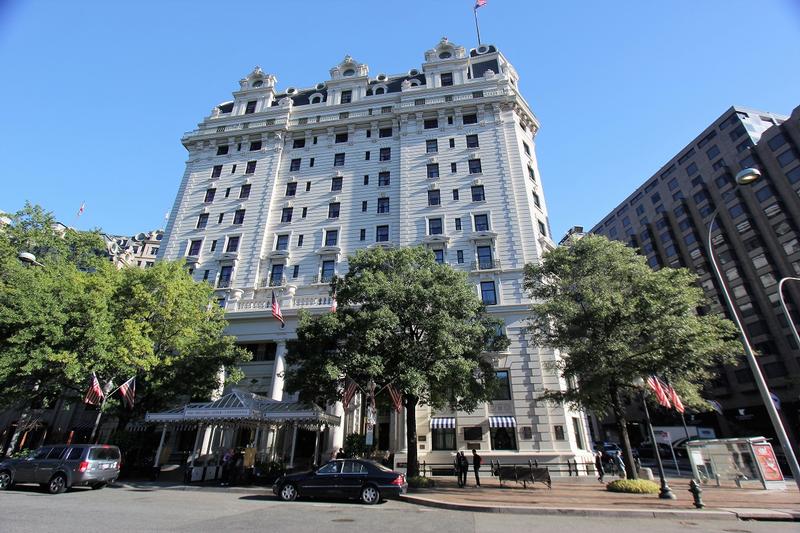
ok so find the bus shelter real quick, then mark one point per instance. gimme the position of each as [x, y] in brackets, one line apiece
[271, 427]
[743, 462]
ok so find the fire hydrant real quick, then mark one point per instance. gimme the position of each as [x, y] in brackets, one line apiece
[697, 494]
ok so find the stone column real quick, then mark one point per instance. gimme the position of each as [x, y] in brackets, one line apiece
[337, 432]
[277, 371]
[403, 431]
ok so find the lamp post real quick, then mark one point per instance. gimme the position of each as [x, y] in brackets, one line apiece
[786, 309]
[665, 493]
[747, 177]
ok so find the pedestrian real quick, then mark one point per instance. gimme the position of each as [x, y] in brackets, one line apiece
[464, 467]
[598, 463]
[340, 454]
[476, 466]
[457, 469]
[620, 464]
[227, 457]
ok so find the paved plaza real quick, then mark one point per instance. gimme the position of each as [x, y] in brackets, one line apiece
[147, 507]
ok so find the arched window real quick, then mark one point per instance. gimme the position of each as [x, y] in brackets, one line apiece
[380, 90]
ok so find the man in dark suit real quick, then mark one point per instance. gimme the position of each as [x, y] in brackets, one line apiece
[476, 466]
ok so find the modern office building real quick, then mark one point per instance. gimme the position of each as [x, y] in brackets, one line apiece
[756, 243]
[280, 186]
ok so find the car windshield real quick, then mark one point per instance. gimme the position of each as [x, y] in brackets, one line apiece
[104, 454]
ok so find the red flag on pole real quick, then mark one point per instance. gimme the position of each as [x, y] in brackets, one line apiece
[276, 310]
[658, 389]
[95, 393]
[349, 392]
[397, 398]
[128, 391]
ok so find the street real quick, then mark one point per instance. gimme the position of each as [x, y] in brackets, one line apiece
[147, 508]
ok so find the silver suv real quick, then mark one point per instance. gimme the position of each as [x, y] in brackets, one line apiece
[58, 467]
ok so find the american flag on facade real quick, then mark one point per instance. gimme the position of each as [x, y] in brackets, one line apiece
[397, 397]
[658, 389]
[480, 3]
[128, 392]
[276, 310]
[349, 393]
[674, 398]
[95, 393]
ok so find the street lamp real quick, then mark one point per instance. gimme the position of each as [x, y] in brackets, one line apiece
[665, 493]
[746, 177]
[29, 258]
[786, 309]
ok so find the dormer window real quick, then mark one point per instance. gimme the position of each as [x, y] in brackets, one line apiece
[445, 55]
[257, 83]
[250, 108]
[316, 100]
[447, 77]
[349, 72]
[380, 90]
[347, 96]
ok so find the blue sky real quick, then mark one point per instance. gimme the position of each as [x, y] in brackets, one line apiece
[96, 95]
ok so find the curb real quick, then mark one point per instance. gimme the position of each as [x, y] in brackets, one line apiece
[591, 512]
[206, 488]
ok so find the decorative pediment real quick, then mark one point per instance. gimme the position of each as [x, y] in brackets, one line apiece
[349, 68]
[257, 79]
[444, 51]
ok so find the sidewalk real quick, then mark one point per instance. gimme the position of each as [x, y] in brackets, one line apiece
[588, 497]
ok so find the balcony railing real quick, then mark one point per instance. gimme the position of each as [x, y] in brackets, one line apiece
[273, 281]
[224, 284]
[486, 264]
[325, 278]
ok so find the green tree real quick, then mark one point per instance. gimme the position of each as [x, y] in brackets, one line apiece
[402, 319]
[615, 320]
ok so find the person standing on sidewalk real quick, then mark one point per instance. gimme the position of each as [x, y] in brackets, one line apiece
[463, 469]
[476, 466]
[457, 468]
[620, 464]
[598, 463]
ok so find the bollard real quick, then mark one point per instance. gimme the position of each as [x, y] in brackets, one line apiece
[697, 494]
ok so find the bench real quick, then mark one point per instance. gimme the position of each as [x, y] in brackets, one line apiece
[522, 474]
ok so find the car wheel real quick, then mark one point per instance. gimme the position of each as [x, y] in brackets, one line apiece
[288, 492]
[97, 486]
[5, 480]
[57, 485]
[370, 495]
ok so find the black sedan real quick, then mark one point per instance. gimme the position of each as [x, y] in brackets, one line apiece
[343, 478]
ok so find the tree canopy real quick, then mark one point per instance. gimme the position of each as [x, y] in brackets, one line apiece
[77, 314]
[402, 319]
[615, 319]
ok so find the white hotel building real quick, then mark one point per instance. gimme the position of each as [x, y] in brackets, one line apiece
[280, 186]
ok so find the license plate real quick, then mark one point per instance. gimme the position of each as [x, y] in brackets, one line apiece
[106, 466]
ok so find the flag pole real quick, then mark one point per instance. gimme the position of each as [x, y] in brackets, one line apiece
[477, 28]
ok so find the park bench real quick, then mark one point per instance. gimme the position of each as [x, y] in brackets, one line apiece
[521, 474]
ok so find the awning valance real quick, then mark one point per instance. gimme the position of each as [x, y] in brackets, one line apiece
[502, 422]
[443, 423]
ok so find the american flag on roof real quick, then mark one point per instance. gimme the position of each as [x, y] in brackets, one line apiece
[276, 309]
[95, 393]
[480, 3]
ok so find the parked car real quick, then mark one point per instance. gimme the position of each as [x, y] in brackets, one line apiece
[343, 478]
[57, 468]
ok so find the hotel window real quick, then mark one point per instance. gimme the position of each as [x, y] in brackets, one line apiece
[474, 166]
[439, 256]
[202, 221]
[304, 212]
[481, 222]
[311, 162]
[250, 108]
[346, 97]
[455, 194]
[488, 293]
[460, 256]
[222, 150]
[338, 160]
[485, 257]
[276, 276]
[385, 154]
[210, 195]
[255, 146]
[328, 270]
[542, 229]
[233, 244]
[503, 389]
[286, 214]
[233, 169]
[298, 143]
[194, 247]
[308, 186]
[431, 146]
[340, 138]
[381, 234]
[383, 179]
[213, 245]
[453, 167]
[458, 224]
[216, 171]
[452, 143]
[503, 438]
[366, 155]
[238, 216]
[362, 234]
[294, 166]
[299, 241]
[296, 271]
[291, 188]
[447, 79]
[431, 123]
[225, 274]
[366, 179]
[433, 197]
[336, 183]
[536, 200]
[526, 148]
[443, 438]
[478, 193]
[559, 432]
[333, 210]
[472, 141]
[227, 192]
[383, 205]
[331, 237]
[470, 119]
[435, 226]
[433, 170]
[244, 192]
[282, 243]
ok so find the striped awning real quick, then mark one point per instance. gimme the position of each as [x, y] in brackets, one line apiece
[443, 423]
[502, 422]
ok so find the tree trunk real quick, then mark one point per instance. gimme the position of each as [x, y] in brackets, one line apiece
[622, 428]
[412, 469]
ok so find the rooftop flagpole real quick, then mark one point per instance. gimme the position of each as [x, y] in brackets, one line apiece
[477, 28]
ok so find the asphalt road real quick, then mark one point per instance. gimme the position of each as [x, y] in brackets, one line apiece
[122, 509]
